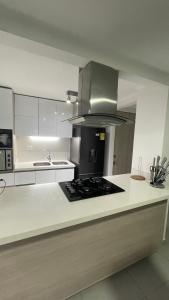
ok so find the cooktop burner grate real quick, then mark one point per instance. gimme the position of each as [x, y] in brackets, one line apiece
[87, 188]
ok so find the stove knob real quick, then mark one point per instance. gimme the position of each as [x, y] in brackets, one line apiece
[72, 192]
[67, 185]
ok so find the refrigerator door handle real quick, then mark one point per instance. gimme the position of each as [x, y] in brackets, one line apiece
[93, 155]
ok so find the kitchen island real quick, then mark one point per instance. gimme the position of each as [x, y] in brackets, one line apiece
[51, 248]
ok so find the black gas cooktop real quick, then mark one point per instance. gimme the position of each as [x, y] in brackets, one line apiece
[87, 188]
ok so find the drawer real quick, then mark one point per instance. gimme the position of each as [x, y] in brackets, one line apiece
[9, 178]
[22, 178]
[45, 176]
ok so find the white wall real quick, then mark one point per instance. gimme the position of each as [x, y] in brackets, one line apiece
[150, 126]
[166, 136]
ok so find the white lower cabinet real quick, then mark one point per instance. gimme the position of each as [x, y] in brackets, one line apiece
[22, 178]
[64, 174]
[9, 179]
[45, 176]
[33, 177]
[59, 175]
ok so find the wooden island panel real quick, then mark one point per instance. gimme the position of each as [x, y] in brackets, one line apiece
[56, 266]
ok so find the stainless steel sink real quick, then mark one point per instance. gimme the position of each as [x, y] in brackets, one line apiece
[57, 163]
[41, 164]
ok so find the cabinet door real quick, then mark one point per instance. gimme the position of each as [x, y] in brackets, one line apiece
[45, 176]
[47, 117]
[64, 112]
[22, 178]
[9, 178]
[26, 115]
[6, 108]
[64, 175]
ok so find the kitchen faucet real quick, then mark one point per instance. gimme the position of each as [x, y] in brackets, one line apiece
[49, 157]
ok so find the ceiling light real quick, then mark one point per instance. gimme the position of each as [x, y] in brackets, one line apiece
[71, 96]
[68, 99]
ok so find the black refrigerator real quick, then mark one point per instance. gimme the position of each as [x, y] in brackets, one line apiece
[87, 151]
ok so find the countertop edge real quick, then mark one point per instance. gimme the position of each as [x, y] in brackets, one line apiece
[28, 168]
[71, 223]
[43, 168]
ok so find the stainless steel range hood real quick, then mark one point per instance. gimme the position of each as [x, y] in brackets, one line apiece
[98, 85]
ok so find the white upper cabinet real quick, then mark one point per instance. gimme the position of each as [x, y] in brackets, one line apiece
[6, 108]
[47, 117]
[64, 112]
[26, 115]
[43, 117]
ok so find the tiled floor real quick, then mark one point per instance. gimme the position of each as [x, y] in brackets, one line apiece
[146, 280]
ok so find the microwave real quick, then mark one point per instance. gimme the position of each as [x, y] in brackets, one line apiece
[6, 139]
[6, 150]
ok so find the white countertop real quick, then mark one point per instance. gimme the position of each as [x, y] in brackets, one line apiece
[28, 166]
[27, 211]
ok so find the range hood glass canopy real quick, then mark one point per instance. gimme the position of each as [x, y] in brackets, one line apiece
[99, 120]
[98, 85]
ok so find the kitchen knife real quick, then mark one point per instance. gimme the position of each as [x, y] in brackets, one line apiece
[158, 160]
[157, 167]
[163, 162]
[162, 170]
[162, 178]
[152, 171]
[166, 167]
[166, 174]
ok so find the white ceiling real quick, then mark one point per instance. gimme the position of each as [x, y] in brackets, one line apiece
[36, 75]
[129, 33]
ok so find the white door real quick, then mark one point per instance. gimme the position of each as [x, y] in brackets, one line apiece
[64, 112]
[26, 115]
[6, 108]
[47, 117]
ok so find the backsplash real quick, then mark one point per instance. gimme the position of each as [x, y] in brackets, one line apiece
[27, 150]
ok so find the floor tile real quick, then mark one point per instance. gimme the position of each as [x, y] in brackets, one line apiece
[150, 273]
[161, 293]
[167, 234]
[164, 250]
[118, 287]
[76, 297]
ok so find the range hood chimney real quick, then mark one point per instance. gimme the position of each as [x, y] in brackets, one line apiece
[97, 105]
